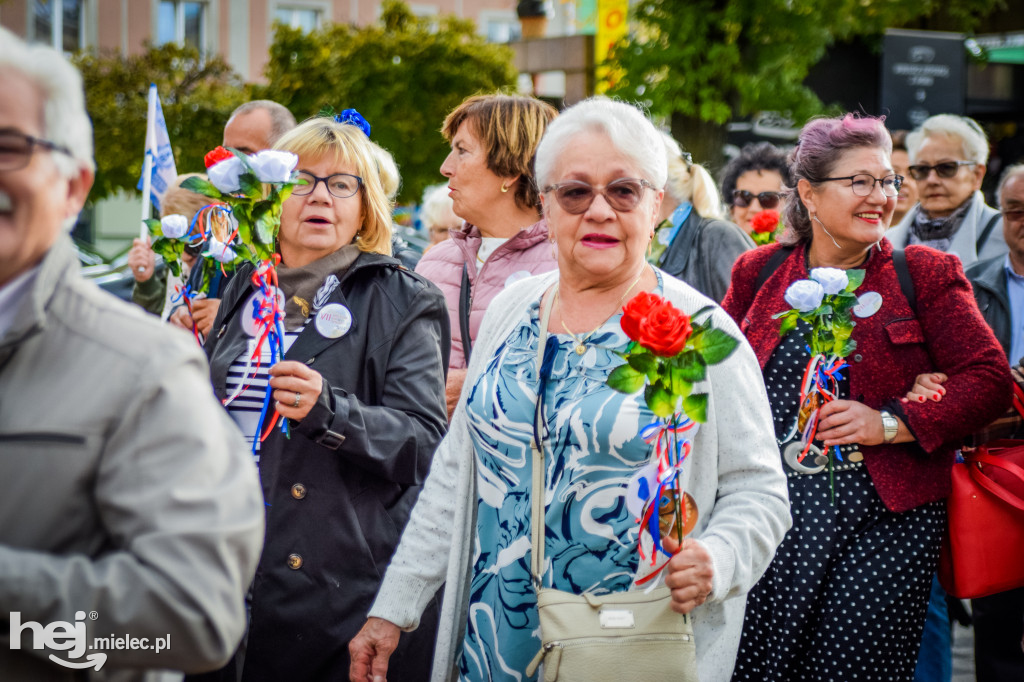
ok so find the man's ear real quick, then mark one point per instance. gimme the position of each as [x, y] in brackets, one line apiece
[78, 190]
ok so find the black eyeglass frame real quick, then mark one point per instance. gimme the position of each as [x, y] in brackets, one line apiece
[299, 190]
[598, 189]
[897, 182]
[742, 198]
[32, 142]
[920, 171]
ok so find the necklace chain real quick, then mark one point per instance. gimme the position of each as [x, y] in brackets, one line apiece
[581, 342]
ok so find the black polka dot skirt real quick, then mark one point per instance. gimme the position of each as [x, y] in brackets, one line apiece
[845, 597]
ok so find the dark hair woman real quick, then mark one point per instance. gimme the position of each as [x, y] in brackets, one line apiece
[845, 596]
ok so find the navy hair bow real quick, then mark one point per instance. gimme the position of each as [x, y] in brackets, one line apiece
[354, 118]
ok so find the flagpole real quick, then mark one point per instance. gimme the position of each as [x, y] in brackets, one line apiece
[147, 164]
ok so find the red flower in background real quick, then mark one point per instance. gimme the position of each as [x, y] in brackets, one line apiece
[215, 156]
[765, 221]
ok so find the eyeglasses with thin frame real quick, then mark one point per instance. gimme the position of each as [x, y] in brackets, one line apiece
[863, 184]
[741, 198]
[16, 149]
[340, 185]
[1014, 215]
[576, 196]
[946, 169]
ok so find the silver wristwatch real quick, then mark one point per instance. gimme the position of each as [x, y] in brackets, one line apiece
[890, 427]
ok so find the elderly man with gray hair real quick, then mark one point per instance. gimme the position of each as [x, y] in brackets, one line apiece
[948, 154]
[131, 517]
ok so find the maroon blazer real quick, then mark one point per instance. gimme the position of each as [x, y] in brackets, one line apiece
[894, 345]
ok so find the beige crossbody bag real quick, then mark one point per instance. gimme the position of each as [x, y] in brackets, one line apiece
[631, 635]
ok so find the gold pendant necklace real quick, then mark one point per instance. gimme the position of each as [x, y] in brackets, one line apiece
[581, 343]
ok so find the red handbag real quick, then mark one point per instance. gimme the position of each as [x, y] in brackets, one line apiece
[983, 552]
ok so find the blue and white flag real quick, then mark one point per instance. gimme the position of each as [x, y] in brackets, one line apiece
[160, 157]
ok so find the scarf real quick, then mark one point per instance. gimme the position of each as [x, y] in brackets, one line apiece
[938, 232]
[308, 288]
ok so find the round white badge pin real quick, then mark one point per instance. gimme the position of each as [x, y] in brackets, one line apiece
[333, 321]
[868, 303]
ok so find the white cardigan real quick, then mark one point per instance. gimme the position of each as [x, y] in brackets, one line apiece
[741, 495]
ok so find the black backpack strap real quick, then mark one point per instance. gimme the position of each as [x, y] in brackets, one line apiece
[771, 265]
[985, 232]
[899, 261]
[464, 301]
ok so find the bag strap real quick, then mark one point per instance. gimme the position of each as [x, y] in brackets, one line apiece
[985, 232]
[537, 491]
[979, 476]
[465, 294]
[899, 262]
[771, 265]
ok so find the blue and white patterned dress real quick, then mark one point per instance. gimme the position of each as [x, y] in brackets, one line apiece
[592, 451]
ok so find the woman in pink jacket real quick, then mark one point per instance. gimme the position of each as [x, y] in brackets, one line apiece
[503, 238]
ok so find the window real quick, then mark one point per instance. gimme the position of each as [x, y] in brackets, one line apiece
[59, 23]
[502, 30]
[302, 18]
[182, 22]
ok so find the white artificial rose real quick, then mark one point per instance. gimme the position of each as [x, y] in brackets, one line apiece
[273, 166]
[805, 295]
[174, 226]
[219, 251]
[225, 174]
[832, 280]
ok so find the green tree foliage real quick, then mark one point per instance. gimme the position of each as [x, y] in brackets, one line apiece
[704, 62]
[197, 96]
[404, 74]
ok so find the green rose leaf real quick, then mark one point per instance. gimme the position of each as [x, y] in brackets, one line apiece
[688, 366]
[625, 379]
[717, 345]
[696, 407]
[251, 187]
[789, 321]
[844, 347]
[659, 400]
[153, 225]
[856, 278]
[201, 186]
[643, 362]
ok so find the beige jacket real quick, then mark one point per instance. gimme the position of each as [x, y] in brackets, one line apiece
[129, 506]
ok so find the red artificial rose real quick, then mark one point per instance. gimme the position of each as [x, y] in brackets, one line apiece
[215, 156]
[765, 221]
[665, 330]
[634, 312]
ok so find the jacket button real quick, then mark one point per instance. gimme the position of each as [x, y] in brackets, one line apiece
[298, 491]
[294, 562]
[858, 357]
[856, 456]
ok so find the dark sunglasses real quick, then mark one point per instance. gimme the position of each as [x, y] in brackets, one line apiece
[946, 169]
[576, 196]
[741, 198]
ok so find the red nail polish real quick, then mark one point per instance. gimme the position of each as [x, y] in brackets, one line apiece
[935, 396]
[920, 398]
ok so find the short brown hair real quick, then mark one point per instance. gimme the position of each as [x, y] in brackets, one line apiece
[510, 127]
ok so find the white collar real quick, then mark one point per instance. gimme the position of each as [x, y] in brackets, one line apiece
[11, 296]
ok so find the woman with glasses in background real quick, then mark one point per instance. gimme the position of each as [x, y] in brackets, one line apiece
[601, 167]
[845, 596]
[948, 154]
[754, 181]
[692, 242]
[361, 386]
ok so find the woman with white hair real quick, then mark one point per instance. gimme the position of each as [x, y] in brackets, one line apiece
[692, 241]
[437, 214]
[948, 154]
[600, 167]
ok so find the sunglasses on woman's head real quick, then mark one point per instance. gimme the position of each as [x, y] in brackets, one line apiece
[946, 169]
[575, 196]
[741, 198]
